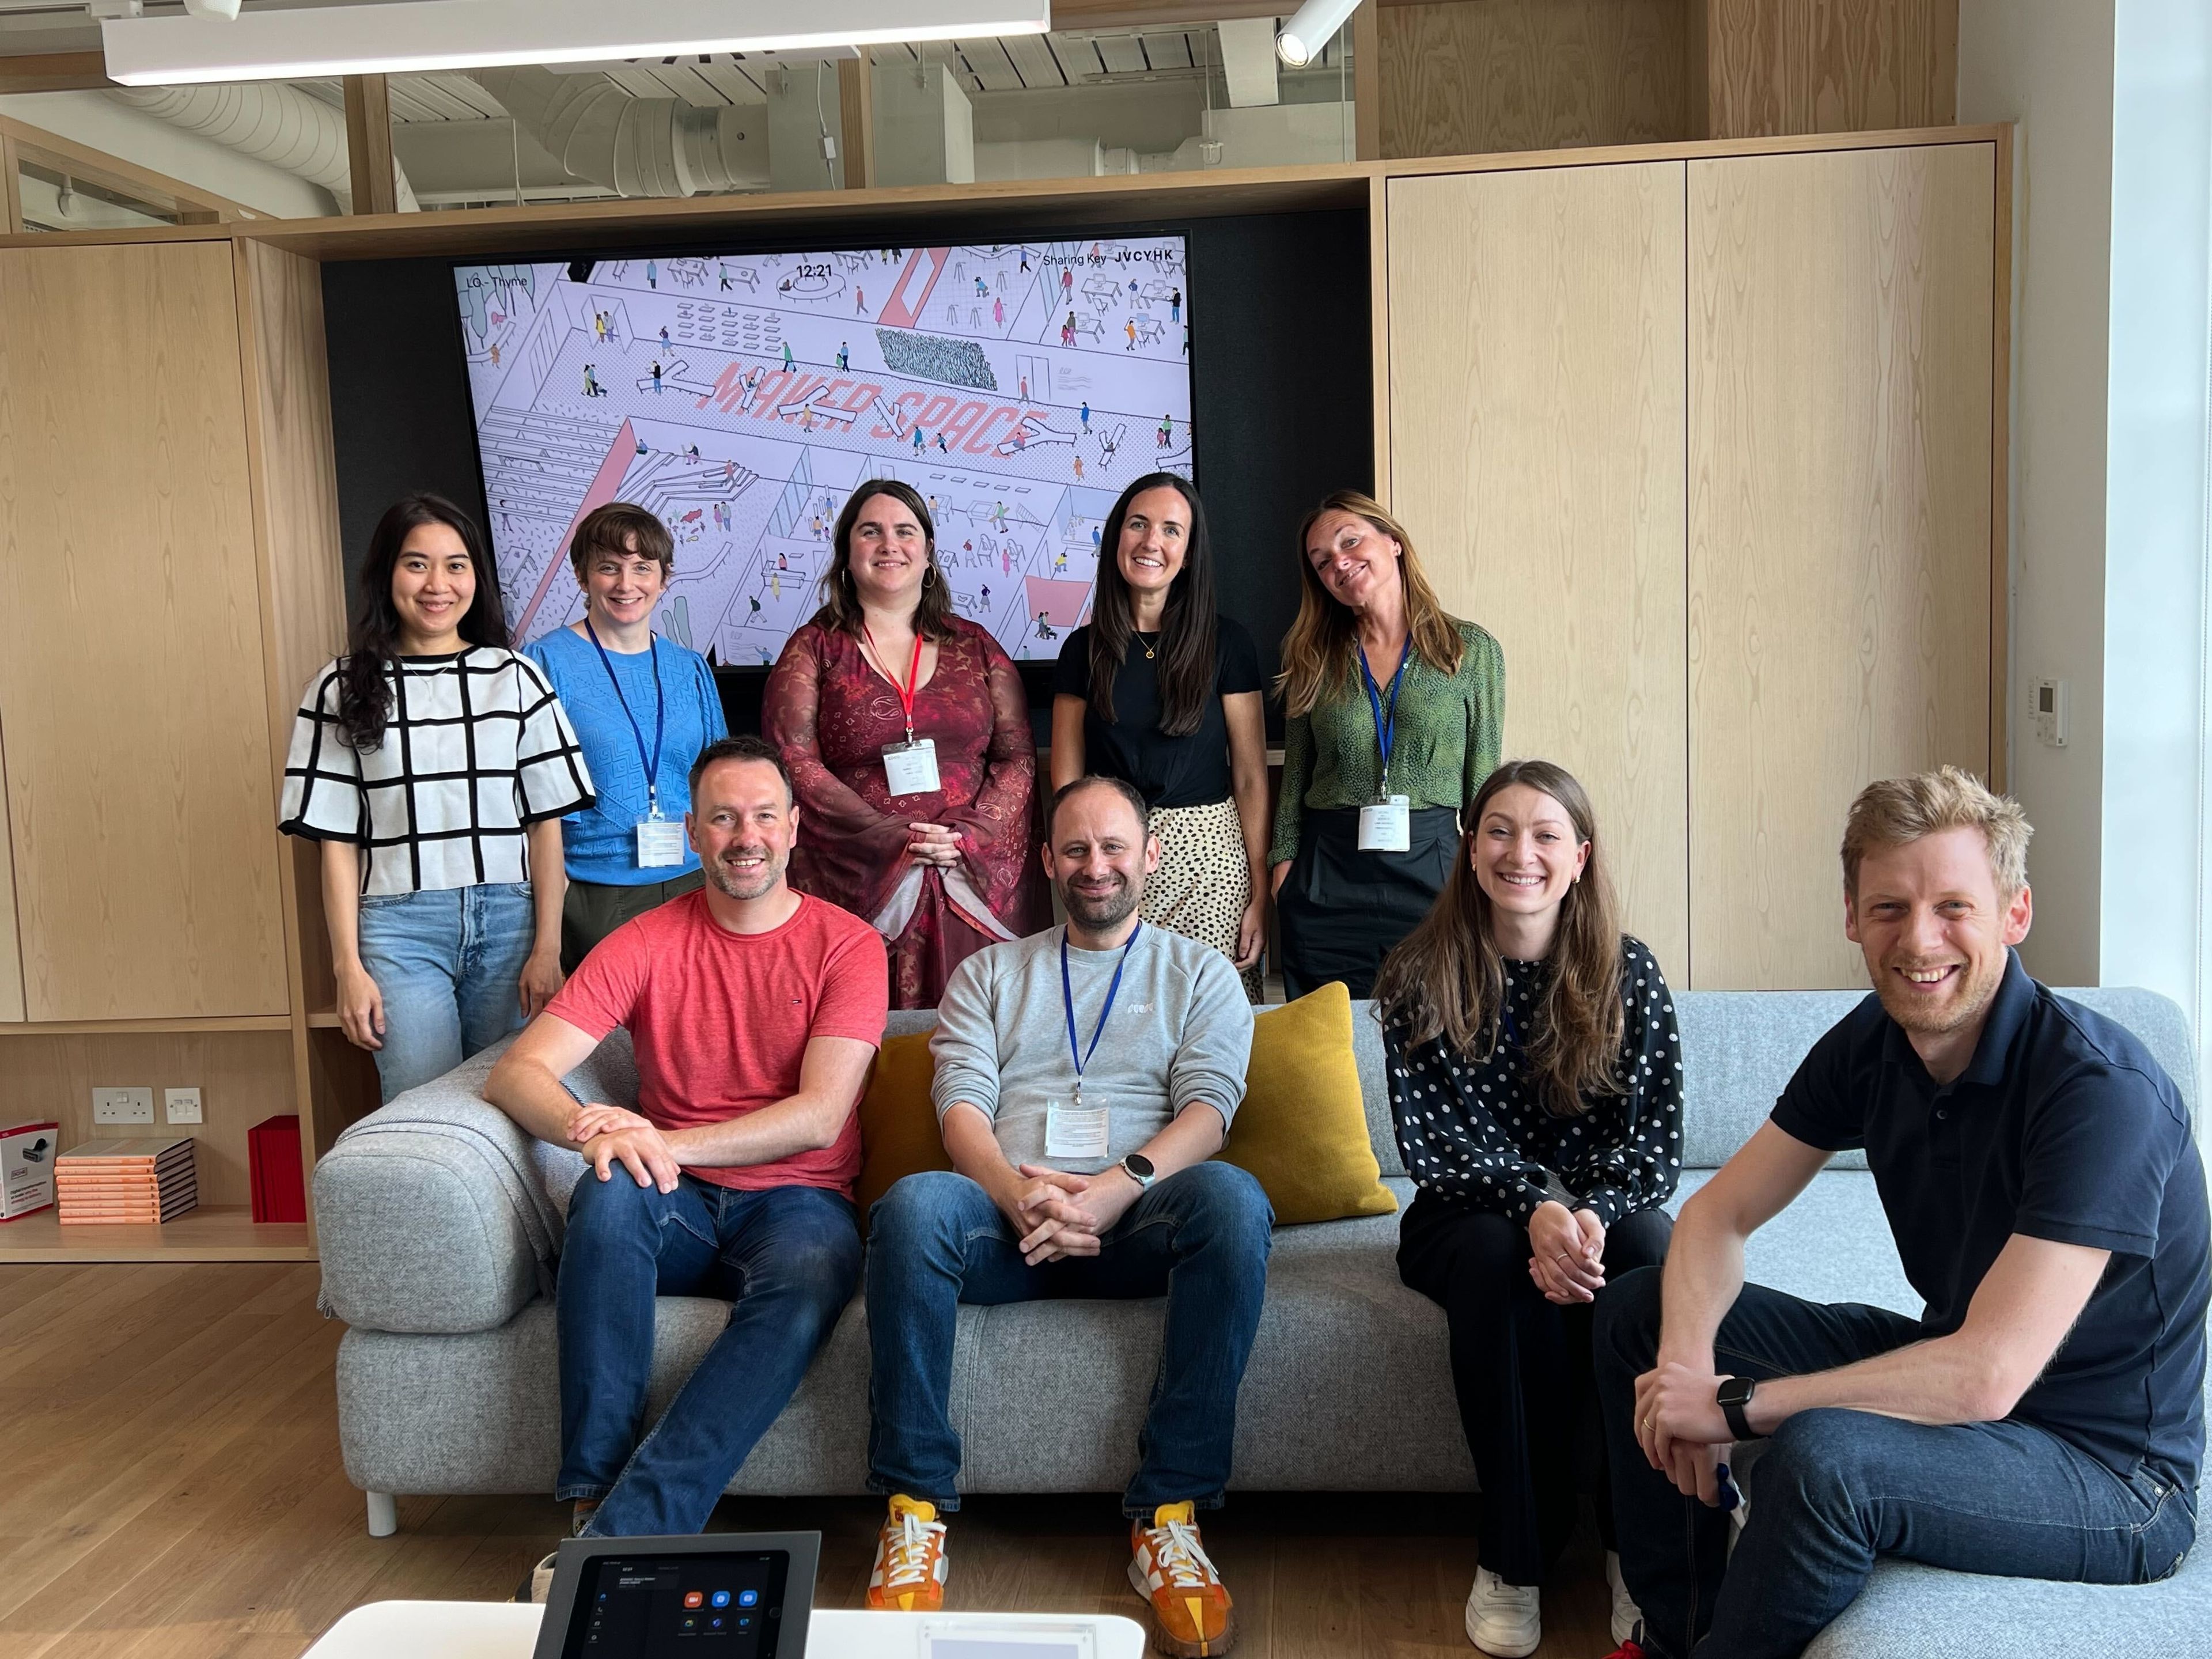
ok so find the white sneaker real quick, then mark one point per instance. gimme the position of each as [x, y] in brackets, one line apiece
[1502, 1619]
[1626, 1615]
[541, 1579]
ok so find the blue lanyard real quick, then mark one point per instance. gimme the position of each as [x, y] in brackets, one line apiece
[1082, 1057]
[1386, 726]
[659, 714]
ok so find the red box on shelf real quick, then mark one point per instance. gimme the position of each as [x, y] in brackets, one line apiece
[273, 1160]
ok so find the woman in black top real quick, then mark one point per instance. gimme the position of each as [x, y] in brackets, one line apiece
[1160, 690]
[1535, 1079]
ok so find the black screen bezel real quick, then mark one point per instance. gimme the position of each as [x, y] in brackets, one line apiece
[578, 1559]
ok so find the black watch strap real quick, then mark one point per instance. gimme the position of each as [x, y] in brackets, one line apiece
[1732, 1397]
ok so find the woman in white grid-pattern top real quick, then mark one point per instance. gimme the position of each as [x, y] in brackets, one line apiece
[433, 765]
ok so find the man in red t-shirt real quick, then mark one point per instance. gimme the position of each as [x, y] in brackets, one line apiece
[754, 1011]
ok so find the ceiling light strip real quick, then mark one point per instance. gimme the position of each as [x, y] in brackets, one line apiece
[416, 37]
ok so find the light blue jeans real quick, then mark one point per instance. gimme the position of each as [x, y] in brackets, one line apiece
[449, 964]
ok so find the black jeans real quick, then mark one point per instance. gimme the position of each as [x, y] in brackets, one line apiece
[1834, 1489]
[1521, 1366]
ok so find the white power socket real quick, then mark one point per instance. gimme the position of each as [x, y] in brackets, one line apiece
[181, 1105]
[122, 1105]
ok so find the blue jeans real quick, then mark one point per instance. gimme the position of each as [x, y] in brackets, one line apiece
[936, 1240]
[449, 965]
[788, 1259]
[1834, 1489]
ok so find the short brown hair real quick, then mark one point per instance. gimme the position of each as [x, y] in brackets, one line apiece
[1895, 811]
[612, 528]
[744, 747]
[1121, 787]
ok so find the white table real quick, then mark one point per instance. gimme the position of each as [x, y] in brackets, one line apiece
[508, 1629]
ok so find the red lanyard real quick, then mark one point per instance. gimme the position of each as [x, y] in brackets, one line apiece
[913, 673]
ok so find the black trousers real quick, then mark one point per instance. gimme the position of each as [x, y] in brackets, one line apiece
[1521, 1365]
[1342, 910]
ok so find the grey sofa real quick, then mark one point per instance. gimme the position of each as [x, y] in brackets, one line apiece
[440, 1222]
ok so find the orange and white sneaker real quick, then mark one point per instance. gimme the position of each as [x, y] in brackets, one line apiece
[909, 1575]
[1193, 1617]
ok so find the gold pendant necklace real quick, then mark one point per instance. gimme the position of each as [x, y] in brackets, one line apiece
[1149, 653]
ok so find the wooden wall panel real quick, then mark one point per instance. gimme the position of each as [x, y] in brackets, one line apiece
[11, 948]
[1787, 66]
[1462, 77]
[141, 809]
[243, 1077]
[1839, 527]
[293, 458]
[1536, 382]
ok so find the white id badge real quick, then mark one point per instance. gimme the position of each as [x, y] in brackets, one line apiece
[1074, 1131]
[911, 768]
[1386, 826]
[659, 843]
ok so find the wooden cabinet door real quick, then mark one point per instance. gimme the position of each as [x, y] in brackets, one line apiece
[1536, 397]
[141, 812]
[1840, 398]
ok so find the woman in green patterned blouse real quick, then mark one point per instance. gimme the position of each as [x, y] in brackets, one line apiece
[1395, 711]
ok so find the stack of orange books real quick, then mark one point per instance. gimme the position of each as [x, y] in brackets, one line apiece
[113, 1182]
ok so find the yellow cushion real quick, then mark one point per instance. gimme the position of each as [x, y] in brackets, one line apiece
[898, 1125]
[1302, 1129]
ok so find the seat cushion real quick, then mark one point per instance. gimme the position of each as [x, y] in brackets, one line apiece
[1833, 1244]
[899, 1136]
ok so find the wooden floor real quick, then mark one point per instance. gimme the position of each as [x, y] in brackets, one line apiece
[171, 1487]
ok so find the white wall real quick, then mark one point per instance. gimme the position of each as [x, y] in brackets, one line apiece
[2047, 64]
[2154, 500]
[2113, 266]
[94, 119]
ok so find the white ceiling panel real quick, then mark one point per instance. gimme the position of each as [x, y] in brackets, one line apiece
[1124, 54]
[1164, 52]
[1076, 56]
[988, 62]
[1033, 61]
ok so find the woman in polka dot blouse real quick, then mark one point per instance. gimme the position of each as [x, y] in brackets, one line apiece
[1536, 1081]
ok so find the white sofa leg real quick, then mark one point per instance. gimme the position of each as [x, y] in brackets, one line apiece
[383, 1515]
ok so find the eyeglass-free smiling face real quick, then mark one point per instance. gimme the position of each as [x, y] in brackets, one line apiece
[1934, 930]
[621, 588]
[1525, 852]
[889, 555]
[1155, 535]
[434, 583]
[1353, 558]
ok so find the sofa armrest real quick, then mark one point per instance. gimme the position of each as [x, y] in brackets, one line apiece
[433, 1212]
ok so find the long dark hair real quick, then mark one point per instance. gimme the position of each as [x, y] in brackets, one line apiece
[841, 600]
[1447, 979]
[1188, 667]
[372, 644]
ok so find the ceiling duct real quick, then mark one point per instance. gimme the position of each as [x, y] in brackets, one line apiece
[270, 121]
[603, 133]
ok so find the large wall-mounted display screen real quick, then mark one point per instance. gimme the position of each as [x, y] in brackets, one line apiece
[1018, 387]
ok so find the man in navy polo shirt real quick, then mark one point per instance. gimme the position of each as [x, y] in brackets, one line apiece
[2043, 1418]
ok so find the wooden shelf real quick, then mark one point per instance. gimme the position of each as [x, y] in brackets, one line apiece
[130, 1027]
[210, 1233]
[324, 1019]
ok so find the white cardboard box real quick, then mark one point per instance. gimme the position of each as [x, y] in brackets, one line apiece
[26, 1167]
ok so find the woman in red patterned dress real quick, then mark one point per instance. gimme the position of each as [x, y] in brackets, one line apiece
[906, 730]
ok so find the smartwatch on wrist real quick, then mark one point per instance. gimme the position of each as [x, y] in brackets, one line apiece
[1732, 1397]
[1138, 1169]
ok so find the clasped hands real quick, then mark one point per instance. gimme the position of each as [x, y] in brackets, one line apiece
[608, 1135]
[1058, 1214]
[1566, 1253]
[933, 844]
[1680, 1427]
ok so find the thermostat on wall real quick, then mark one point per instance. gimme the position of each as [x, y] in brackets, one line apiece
[2050, 711]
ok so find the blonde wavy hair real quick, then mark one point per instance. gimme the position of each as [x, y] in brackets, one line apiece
[1892, 811]
[1318, 651]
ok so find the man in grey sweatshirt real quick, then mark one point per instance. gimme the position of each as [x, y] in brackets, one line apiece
[1085, 1077]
